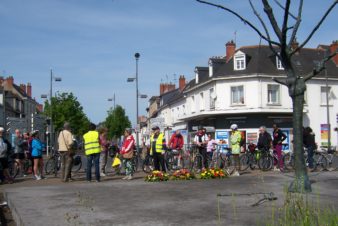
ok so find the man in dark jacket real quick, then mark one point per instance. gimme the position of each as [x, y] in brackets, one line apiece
[310, 144]
[264, 139]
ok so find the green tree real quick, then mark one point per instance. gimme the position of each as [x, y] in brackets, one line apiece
[116, 122]
[66, 107]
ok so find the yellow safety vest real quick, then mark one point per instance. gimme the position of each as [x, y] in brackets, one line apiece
[159, 143]
[91, 142]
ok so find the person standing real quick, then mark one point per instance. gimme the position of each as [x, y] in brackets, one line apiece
[310, 144]
[278, 138]
[19, 153]
[211, 150]
[104, 144]
[157, 148]
[235, 140]
[264, 139]
[201, 141]
[5, 147]
[65, 141]
[176, 143]
[92, 151]
[127, 152]
[37, 147]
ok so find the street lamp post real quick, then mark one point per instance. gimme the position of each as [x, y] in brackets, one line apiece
[112, 99]
[327, 112]
[137, 56]
[51, 132]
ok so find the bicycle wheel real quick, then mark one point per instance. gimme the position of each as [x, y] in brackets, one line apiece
[197, 163]
[27, 167]
[333, 162]
[289, 162]
[169, 162]
[183, 160]
[265, 162]
[13, 169]
[229, 164]
[77, 165]
[135, 162]
[320, 162]
[148, 164]
[50, 166]
[244, 161]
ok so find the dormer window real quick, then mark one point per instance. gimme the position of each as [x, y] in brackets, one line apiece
[239, 61]
[279, 64]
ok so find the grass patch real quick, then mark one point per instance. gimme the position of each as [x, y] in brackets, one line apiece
[301, 210]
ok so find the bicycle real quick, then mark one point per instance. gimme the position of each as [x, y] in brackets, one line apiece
[196, 161]
[249, 158]
[148, 164]
[53, 164]
[332, 158]
[77, 163]
[227, 161]
[253, 157]
[13, 167]
[320, 161]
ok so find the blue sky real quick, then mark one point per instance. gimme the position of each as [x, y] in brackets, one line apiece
[91, 44]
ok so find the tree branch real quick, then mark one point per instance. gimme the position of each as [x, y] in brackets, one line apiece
[298, 21]
[242, 19]
[316, 27]
[320, 68]
[281, 81]
[280, 5]
[264, 27]
[271, 16]
[285, 23]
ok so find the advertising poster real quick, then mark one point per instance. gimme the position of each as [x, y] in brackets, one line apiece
[222, 135]
[324, 134]
[252, 137]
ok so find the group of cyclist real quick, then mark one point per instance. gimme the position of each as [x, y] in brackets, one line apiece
[24, 146]
[206, 146]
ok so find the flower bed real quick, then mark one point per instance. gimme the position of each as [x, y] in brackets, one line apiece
[212, 173]
[157, 176]
[182, 174]
[185, 174]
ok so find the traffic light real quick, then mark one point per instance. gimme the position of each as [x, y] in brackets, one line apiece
[48, 121]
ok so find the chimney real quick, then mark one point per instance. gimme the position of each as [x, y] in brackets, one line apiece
[161, 88]
[181, 82]
[10, 81]
[166, 87]
[230, 50]
[334, 49]
[29, 90]
[23, 88]
[171, 87]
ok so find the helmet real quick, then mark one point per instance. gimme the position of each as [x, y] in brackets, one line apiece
[2, 129]
[234, 126]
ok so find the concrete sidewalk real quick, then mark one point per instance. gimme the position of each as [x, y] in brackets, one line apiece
[117, 202]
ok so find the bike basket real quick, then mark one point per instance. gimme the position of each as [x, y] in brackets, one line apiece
[77, 160]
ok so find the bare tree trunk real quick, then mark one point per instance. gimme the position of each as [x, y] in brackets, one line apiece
[301, 183]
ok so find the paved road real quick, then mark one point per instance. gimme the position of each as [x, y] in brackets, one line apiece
[117, 202]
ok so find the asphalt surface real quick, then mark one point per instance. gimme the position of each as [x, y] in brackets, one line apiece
[117, 202]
